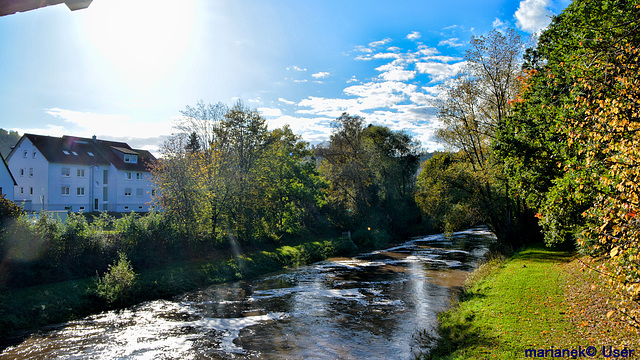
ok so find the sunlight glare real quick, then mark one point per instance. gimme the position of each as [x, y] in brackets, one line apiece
[143, 40]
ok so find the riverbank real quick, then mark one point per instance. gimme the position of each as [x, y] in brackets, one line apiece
[37, 306]
[539, 299]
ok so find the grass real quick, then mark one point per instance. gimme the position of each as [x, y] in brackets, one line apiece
[511, 306]
[37, 306]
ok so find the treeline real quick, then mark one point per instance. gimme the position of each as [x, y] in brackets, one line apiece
[227, 184]
[227, 178]
[546, 141]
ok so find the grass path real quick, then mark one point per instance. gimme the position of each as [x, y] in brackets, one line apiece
[539, 299]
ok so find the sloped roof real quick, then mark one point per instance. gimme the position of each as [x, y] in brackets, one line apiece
[9, 171]
[67, 150]
[83, 151]
[111, 151]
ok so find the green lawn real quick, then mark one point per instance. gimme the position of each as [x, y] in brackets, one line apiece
[520, 305]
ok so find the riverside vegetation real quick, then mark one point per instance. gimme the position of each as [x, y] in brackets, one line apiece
[542, 147]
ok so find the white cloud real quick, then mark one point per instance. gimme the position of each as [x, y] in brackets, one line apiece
[314, 130]
[353, 79]
[533, 15]
[439, 71]
[296, 68]
[285, 101]
[499, 24]
[414, 35]
[270, 112]
[453, 42]
[376, 44]
[392, 72]
[320, 75]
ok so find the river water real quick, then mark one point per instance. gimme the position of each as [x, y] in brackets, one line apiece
[372, 306]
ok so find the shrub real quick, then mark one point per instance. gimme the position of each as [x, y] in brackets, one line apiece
[115, 287]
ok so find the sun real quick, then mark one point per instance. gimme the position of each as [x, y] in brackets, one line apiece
[142, 40]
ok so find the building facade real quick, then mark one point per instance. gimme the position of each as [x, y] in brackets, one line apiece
[80, 174]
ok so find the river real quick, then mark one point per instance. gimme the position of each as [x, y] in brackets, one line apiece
[371, 306]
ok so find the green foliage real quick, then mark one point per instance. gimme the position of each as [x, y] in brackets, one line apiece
[571, 146]
[371, 175]
[476, 105]
[115, 287]
[245, 182]
[7, 140]
[443, 194]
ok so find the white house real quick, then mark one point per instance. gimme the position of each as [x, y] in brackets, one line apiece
[80, 174]
[7, 182]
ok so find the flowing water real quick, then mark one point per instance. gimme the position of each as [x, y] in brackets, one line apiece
[372, 306]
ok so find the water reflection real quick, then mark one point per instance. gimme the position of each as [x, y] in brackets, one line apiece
[348, 308]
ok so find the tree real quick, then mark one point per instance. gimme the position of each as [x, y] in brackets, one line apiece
[7, 140]
[371, 173]
[193, 145]
[445, 193]
[246, 184]
[477, 102]
[572, 142]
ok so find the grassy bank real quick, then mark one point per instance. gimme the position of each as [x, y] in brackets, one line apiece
[54, 303]
[538, 299]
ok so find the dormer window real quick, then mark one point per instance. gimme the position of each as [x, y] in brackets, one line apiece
[131, 158]
[74, 153]
[90, 153]
[66, 152]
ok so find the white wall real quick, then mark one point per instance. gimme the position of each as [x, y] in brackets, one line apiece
[26, 182]
[141, 185]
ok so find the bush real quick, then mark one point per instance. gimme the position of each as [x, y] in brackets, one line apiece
[115, 287]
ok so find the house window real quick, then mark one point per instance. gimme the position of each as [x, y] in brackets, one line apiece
[131, 158]
[80, 191]
[33, 155]
[65, 191]
[138, 176]
[66, 152]
[139, 192]
[127, 175]
[153, 192]
[31, 190]
[140, 207]
[105, 194]
[30, 172]
[80, 173]
[126, 208]
[66, 172]
[26, 153]
[81, 208]
[21, 190]
[127, 191]
[21, 172]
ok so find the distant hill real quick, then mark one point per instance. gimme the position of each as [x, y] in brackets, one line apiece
[7, 140]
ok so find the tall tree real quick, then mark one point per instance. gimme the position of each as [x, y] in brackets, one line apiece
[371, 171]
[477, 102]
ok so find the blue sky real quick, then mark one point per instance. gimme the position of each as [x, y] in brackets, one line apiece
[123, 69]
